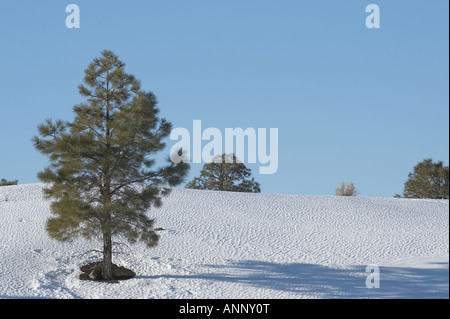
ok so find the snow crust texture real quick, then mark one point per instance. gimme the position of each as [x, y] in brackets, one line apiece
[239, 245]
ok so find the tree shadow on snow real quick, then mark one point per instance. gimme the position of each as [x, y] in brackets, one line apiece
[312, 280]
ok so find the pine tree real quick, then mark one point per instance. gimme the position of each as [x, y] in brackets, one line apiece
[4, 182]
[101, 177]
[428, 180]
[225, 173]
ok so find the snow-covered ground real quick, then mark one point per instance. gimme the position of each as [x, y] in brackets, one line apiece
[240, 245]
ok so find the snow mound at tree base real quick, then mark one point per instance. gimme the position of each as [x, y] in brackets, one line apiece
[92, 271]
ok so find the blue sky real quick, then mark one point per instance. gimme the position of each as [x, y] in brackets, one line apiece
[353, 103]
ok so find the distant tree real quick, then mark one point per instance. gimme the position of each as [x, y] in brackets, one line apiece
[102, 178]
[4, 182]
[345, 189]
[428, 180]
[225, 173]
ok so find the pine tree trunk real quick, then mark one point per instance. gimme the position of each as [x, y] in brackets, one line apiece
[107, 257]
[107, 243]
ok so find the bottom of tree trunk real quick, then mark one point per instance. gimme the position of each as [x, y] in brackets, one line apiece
[93, 271]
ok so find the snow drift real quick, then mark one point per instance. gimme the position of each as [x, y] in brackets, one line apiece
[239, 245]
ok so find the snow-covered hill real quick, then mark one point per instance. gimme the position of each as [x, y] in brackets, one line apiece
[240, 245]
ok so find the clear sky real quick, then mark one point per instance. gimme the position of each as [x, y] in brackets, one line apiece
[353, 103]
